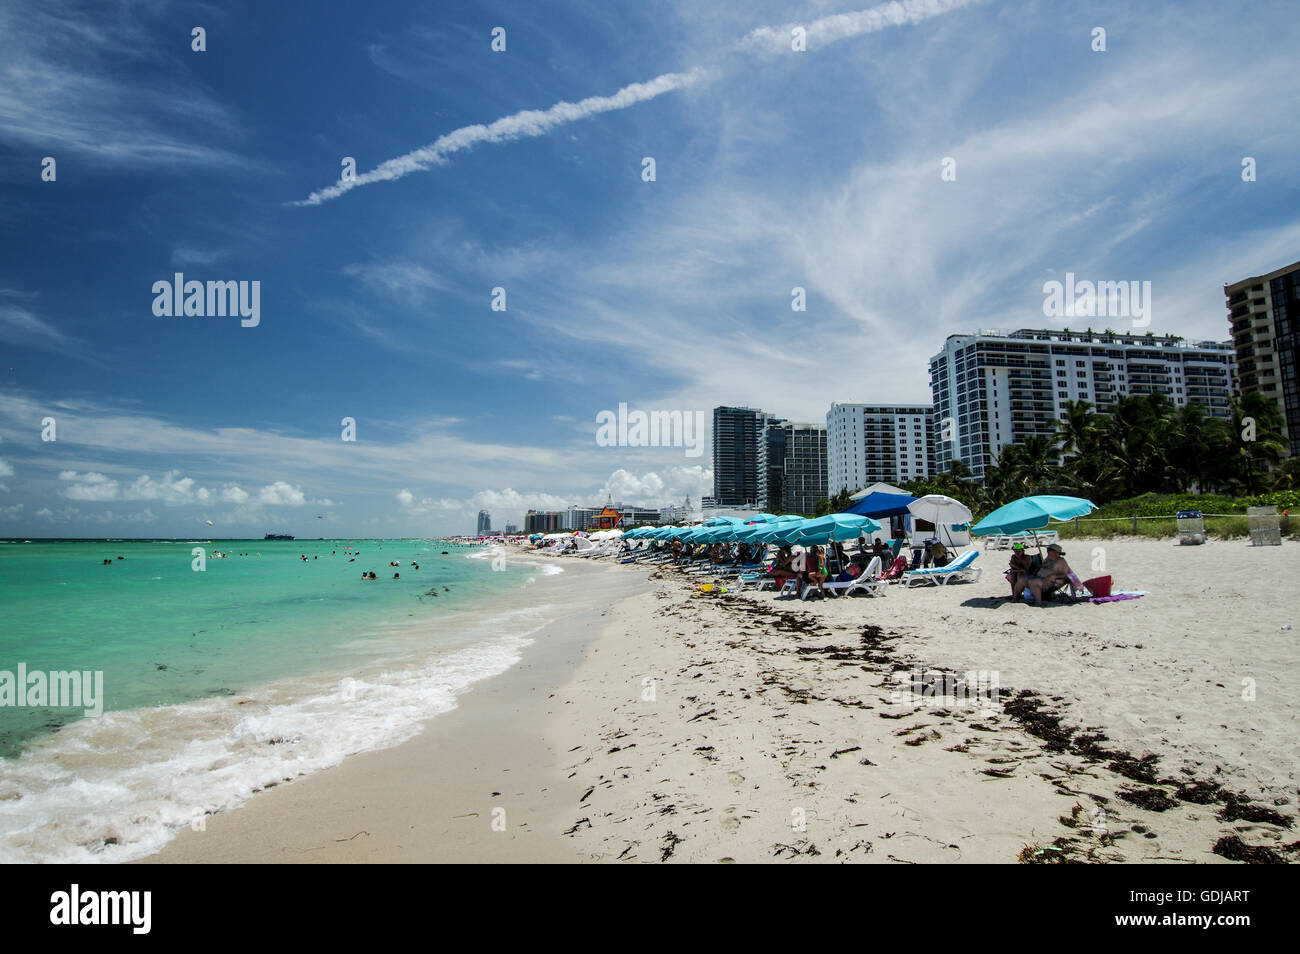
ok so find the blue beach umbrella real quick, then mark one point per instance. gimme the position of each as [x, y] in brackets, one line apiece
[835, 527]
[1032, 513]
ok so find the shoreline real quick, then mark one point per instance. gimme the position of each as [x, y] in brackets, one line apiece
[431, 798]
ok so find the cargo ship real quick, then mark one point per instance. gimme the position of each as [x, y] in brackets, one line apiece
[278, 536]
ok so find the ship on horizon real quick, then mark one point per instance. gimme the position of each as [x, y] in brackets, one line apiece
[278, 536]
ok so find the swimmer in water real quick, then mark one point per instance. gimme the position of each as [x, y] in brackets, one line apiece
[397, 576]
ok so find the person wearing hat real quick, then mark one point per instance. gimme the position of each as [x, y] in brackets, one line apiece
[1019, 570]
[1054, 570]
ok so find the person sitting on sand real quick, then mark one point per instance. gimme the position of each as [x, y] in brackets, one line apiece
[1054, 570]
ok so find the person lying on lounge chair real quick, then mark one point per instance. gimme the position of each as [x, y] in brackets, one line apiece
[896, 570]
[1054, 572]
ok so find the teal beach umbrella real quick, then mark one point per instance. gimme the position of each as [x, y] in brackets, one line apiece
[835, 527]
[1032, 513]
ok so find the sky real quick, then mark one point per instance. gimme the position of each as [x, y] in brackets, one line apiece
[919, 169]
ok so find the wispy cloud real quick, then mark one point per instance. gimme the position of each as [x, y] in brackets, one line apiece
[534, 122]
[92, 79]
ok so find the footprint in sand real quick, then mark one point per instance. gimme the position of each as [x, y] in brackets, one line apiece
[735, 778]
[729, 821]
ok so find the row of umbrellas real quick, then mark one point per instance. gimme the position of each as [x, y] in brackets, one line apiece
[1019, 516]
[765, 528]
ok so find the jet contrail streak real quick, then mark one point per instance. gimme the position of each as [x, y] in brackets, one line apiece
[537, 122]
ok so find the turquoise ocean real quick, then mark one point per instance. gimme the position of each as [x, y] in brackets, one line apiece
[219, 681]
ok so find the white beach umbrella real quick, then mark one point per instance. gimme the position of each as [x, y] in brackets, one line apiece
[940, 510]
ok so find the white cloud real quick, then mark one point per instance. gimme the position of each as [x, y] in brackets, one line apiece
[91, 486]
[233, 493]
[281, 493]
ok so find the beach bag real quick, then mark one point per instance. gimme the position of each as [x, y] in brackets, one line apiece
[1098, 586]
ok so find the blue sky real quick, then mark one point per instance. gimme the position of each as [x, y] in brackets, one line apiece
[774, 169]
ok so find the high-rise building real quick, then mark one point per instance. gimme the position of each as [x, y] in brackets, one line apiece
[997, 388]
[873, 443]
[543, 521]
[484, 523]
[736, 432]
[791, 467]
[1264, 314]
[511, 529]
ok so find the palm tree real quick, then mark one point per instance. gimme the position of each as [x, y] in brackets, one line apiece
[1077, 428]
[1256, 441]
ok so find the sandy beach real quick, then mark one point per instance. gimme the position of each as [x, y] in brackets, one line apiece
[674, 725]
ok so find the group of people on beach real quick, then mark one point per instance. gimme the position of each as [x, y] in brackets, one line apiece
[816, 565]
[1037, 574]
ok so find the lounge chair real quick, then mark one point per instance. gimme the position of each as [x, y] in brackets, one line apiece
[959, 568]
[867, 581]
[895, 572]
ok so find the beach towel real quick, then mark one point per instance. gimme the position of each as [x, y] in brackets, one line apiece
[1117, 595]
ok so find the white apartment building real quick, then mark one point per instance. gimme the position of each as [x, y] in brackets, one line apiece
[872, 443]
[997, 388]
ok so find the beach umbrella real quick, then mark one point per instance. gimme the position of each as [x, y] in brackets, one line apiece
[1032, 513]
[762, 518]
[722, 521]
[785, 532]
[940, 510]
[882, 504]
[834, 527]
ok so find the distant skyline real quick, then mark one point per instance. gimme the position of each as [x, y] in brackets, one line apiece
[919, 169]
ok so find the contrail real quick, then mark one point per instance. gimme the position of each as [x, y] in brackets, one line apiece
[537, 122]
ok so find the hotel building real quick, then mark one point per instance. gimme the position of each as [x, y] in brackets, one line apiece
[736, 433]
[1264, 315]
[997, 388]
[791, 467]
[871, 443]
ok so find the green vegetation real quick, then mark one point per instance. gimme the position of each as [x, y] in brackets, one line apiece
[1147, 458]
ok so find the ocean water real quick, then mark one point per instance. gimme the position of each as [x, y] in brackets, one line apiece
[217, 683]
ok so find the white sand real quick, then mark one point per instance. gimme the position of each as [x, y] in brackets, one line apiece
[737, 745]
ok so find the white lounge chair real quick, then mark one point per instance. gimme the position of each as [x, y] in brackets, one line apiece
[866, 581]
[958, 569]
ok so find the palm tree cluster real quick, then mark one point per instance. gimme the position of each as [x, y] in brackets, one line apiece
[1146, 444]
